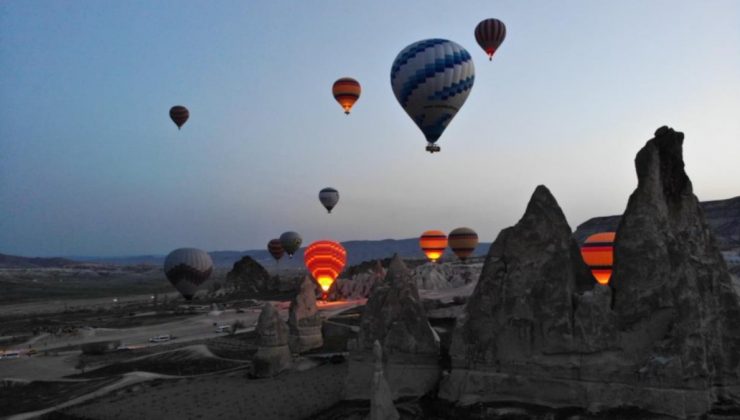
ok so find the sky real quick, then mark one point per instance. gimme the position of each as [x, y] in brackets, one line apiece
[91, 164]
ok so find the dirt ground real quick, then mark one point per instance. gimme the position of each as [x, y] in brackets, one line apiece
[291, 395]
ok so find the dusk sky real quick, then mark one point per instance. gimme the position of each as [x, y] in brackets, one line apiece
[91, 164]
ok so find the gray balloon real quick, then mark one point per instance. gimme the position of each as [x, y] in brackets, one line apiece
[329, 198]
[188, 269]
[291, 242]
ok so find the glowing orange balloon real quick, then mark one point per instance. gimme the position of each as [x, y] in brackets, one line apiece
[325, 260]
[598, 254]
[433, 243]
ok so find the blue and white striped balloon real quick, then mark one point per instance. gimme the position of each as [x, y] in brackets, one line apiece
[431, 80]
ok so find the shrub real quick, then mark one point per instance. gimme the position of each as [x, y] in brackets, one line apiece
[99, 347]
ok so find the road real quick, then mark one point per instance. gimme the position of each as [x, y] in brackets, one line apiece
[195, 327]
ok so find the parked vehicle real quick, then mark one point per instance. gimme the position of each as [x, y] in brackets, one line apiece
[160, 338]
[10, 355]
[223, 329]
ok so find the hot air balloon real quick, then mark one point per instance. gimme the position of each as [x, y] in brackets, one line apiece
[291, 242]
[346, 91]
[329, 198]
[179, 115]
[275, 248]
[463, 242]
[598, 254]
[187, 269]
[325, 260]
[433, 243]
[490, 33]
[431, 80]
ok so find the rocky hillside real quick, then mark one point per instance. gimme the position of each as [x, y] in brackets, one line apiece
[357, 252]
[662, 339]
[723, 217]
[13, 261]
[358, 281]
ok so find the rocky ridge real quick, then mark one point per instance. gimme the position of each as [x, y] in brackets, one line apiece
[395, 317]
[663, 337]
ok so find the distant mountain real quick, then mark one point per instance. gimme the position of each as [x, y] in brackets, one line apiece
[357, 252]
[723, 216]
[13, 261]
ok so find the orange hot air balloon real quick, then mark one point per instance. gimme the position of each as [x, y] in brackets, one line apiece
[463, 241]
[598, 254]
[346, 91]
[325, 260]
[433, 243]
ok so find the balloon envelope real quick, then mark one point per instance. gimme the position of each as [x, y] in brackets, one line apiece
[325, 260]
[275, 248]
[291, 242]
[598, 254]
[179, 115]
[346, 91]
[463, 241]
[329, 198]
[433, 243]
[431, 80]
[187, 269]
[490, 33]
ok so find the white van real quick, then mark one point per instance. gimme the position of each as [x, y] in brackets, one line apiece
[160, 338]
[223, 329]
[11, 355]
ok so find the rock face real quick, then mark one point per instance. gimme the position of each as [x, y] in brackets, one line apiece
[522, 306]
[381, 403]
[304, 320]
[273, 354]
[672, 291]
[249, 276]
[395, 317]
[664, 337]
[359, 284]
[359, 281]
[722, 216]
[436, 276]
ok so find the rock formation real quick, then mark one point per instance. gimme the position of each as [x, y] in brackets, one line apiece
[359, 284]
[677, 310]
[663, 337]
[273, 354]
[436, 276]
[304, 320]
[381, 402]
[395, 317]
[249, 276]
[722, 216]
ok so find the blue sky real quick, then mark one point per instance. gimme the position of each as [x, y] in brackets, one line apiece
[90, 163]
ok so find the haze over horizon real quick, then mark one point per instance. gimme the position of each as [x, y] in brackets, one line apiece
[90, 163]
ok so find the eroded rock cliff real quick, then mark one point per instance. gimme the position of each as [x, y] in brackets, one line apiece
[663, 337]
